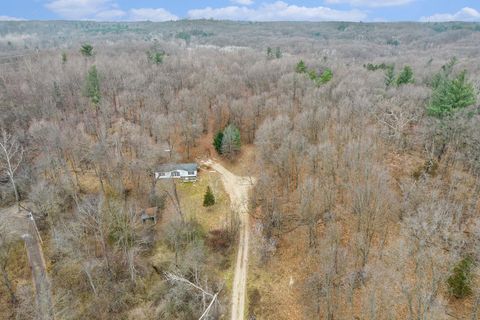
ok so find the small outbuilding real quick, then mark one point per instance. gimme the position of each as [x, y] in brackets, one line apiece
[184, 171]
[149, 214]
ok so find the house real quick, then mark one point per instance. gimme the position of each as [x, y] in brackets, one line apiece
[184, 171]
[149, 214]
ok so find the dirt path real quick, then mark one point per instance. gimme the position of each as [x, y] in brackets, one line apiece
[238, 188]
[23, 225]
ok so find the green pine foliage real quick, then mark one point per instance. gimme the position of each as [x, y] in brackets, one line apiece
[389, 76]
[87, 50]
[274, 54]
[217, 142]
[208, 198]
[406, 76]
[460, 282]
[269, 53]
[278, 53]
[451, 95]
[319, 79]
[375, 67]
[312, 74]
[92, 87]
[325, 77]
[156, 57]
[301, 67]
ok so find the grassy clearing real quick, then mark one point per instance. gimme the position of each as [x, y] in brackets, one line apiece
[19, 274]
[212, 218]
[215, 217]
[191, 200]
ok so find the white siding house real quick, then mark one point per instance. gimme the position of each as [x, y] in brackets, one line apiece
[184, 171]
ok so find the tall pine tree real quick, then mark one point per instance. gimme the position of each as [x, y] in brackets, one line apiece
[451, 95]
[217, 142]
[208, 198]
[406, 76]
[92, 86]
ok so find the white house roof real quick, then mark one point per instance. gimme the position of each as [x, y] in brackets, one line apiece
[177, 166]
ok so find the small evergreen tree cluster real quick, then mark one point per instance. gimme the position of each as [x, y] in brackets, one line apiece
[393, 42]
[156, 57]
[450, 95]
[208, 198]
[228, 141]
[87, 50]
[319, 79]
[64, 57]
[271, 54]
[404, 77]
[301, 67]
[375, 67]
[461, 279]
[390, 76]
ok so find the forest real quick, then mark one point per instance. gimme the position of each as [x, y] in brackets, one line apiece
[361, 141]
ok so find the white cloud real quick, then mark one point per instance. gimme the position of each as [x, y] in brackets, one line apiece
[105, 10]
[7, 18]
[465, 14]
[243, 2]
[371, 3]
[109, 15]
[277, 11]
[85, 9]
[151, 14]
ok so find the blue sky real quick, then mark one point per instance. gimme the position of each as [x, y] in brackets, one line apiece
[252, 10]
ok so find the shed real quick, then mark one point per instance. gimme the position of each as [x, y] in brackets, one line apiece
[149, 214]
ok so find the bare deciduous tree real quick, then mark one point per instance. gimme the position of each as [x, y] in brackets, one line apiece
[11, 156]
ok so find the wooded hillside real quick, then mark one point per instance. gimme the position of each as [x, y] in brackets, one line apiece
[363, 138]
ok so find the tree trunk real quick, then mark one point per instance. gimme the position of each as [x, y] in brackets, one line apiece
[17, 197]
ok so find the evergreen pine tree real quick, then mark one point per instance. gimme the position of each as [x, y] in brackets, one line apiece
[92, 87]
[406, 76]
[460, 281]
[278, 53]
[269, 53]
[389, 76]
[86, 50]
[301, 67]
[217, 142]
[208, 198]
[451, 95]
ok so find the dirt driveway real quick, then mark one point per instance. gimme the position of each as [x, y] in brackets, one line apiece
[238, 189]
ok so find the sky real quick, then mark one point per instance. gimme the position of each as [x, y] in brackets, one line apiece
[246, 10]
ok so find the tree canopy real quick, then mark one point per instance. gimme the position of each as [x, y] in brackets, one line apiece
[92, 86]
[405, 76]
[451, 95]
[231, 141]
